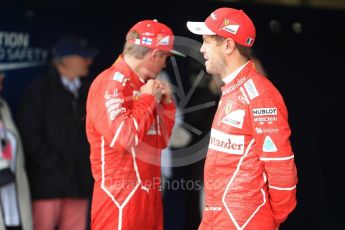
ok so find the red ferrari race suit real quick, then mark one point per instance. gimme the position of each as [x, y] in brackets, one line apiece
[250, 174]
[126, 132]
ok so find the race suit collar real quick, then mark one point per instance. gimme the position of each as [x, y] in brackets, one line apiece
[232, 76]
[124, 68]
[238, 79]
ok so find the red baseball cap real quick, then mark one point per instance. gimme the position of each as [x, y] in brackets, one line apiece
[154, 35]
[227, 23]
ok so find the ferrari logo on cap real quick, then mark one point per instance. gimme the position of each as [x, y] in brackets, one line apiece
[226, 22]
[163, 40]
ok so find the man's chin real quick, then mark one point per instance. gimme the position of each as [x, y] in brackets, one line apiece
[209, 71]
[152, 77]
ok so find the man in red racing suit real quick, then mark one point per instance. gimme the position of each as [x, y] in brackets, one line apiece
[250, 174]
[128, 123]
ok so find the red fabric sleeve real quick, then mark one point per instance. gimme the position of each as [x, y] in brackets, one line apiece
[166, 113]
[121, 118]
[271, 132]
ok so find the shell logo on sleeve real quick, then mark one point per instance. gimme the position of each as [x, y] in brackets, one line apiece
[118, 77]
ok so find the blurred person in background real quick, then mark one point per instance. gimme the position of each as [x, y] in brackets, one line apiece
[250, 176]
[52, 123]
[15, 203]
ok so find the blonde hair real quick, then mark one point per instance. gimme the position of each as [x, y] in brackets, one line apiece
[132, 49]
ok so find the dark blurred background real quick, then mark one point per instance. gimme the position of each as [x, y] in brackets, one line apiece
[300, 43]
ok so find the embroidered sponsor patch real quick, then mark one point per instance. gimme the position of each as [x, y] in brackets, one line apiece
[146, 41]
[114, 113]
[242, 99]
[226, 143]
[234, 86]
[231, 28]
[228, 107]
[114, 107]
[259, 130]
[264, 111]
[112, 101]
[208, 208]
[163, 40]
[251, 89]
[148, 34]
[244, 96]
[235, 118]
[108, 95]
[118, 77]
[249, 41]
[265, 120]
[269, 145]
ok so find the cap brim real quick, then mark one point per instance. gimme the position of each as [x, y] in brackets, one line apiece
[88, 53]
[175, 52]
[199, 28]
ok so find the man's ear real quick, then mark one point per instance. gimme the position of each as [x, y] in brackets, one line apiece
[229, 45]
[149, 56]
[155, 53]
